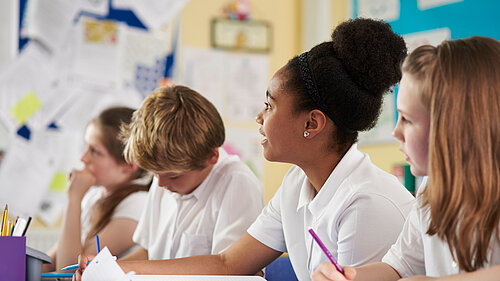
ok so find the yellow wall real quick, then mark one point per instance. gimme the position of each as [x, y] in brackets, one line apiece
[285, 19]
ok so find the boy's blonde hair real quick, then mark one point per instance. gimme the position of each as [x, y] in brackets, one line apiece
[175, 130]
[460, 82]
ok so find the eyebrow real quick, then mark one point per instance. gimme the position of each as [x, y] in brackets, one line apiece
[269, 95]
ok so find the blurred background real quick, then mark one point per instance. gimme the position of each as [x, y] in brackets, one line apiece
[61, 62]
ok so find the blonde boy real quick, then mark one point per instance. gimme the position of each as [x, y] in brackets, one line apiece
[202, 200]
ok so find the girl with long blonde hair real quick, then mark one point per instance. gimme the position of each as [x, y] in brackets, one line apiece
[448, 127]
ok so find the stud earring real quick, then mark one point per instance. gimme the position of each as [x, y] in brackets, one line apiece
[306, 134]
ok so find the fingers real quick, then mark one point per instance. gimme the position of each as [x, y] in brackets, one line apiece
[77, 276]
[327, 272]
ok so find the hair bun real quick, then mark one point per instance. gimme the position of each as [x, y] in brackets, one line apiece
[370, 52]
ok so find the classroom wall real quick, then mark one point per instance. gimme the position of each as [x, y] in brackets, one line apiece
[286, 18]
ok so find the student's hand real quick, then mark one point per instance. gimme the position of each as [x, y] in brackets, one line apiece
[82, 264]
[418, 278]
[79, 183]
[327, 272]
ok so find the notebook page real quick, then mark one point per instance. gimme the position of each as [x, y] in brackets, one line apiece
[104, 267]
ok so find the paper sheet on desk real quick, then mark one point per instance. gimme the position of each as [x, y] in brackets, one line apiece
[104, 267]
[194, 278]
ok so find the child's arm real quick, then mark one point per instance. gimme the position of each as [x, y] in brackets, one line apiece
[116, 235]
[139, 254]
[372, 272]
[245, 257]
[48, 267]
[489, 274]
[69, 244]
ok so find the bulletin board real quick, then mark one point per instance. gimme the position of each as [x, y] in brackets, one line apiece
[425, 22]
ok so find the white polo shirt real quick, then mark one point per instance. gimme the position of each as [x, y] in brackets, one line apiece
[417, 253]
[358, 214]
[206, 221]
[129, 208]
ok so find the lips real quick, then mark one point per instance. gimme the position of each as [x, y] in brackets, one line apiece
[264, 138]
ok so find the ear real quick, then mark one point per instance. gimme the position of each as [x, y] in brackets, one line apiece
[315, 122]
[130, 168]
[214, 157]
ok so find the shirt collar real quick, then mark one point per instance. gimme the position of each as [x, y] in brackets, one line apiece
[347, 164]
[203, 190]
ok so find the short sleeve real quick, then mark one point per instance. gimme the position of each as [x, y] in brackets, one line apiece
[268, 228]
[142, 231]
[406, 256]
[236, 215]
[132, 206]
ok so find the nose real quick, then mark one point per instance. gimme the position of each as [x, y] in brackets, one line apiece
[397, 132]
[259, 118]
[85, 156]
[162, 181]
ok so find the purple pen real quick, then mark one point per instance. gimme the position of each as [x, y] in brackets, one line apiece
[325, 250]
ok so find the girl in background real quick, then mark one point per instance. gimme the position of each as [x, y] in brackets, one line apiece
[105, 198]
[448, 127]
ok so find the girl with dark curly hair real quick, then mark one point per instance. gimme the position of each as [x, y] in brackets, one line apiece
[315, 106]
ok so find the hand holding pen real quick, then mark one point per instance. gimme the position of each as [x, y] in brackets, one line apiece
[75, 266]
[330, 270]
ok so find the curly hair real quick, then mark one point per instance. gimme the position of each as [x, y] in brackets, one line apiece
[352, 72]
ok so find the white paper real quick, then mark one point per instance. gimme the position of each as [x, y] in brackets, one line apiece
[25, 175]
[432, 37]
[143, 59]
[194, 278]
[153, 13]
[203, 71]
[99, 48]
[104, 267]
[98, 7]
[48, 20]
[31, 72]
[388, 10]
[428, 4]
[246, 78]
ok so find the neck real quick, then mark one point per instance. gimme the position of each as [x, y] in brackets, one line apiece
[319, 167]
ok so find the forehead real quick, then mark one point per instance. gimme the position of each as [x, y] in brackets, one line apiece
[408, 93]
[276, 89]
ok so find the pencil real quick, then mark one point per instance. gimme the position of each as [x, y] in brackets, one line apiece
[98, 246]
[26, 228]
[325, 250]
[4, 220]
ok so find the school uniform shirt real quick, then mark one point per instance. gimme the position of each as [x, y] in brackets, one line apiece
[358, 214]
[129, 208]
[206, 221]
[417, 253]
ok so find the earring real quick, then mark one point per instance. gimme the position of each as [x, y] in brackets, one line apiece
[306, 134]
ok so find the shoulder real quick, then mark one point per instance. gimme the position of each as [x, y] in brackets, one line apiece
[134, 200]
[368, 177]
[93, 195]
[232, 169]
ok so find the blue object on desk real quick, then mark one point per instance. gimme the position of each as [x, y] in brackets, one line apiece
[280, 270]
[56, 275]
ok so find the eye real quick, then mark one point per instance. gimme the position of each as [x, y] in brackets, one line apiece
[93, 151]
[267, 106]
[174, 177]
[403, 119]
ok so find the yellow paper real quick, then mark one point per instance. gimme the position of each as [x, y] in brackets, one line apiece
[58, 182]
[26, 107]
